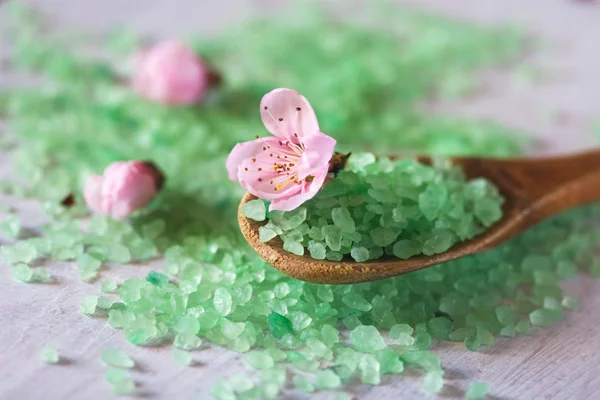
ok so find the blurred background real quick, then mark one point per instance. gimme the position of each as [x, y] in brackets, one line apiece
[546, 85]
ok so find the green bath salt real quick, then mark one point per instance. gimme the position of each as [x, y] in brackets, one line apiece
[382, 208]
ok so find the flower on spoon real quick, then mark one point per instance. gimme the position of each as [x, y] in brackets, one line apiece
[290, 167]
[172, 73]
[124, 187]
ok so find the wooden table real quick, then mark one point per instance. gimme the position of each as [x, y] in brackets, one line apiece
[561, 362]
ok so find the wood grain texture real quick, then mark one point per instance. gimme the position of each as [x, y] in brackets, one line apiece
[561, 362]
[534, 189]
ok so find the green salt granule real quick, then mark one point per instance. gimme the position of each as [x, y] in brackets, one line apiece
[294, 248]
[366, 338]
[369, 370]
[22, 272]
[508, 331]
[359, 254]
[279, 325]
[156, 278]
[241, 383]
[545, 317]
[570, 302]
[407, 248]
[327, 379]
[50, 355]
[222, 301]
[330, 335]
[88, 275]
[187, 341]
[390, 362]
[341, 396]
[104, 303]
[265, 233]
[552, 303]
[424, 359]
[23, 252]
[187, 324]
[124, 387]
[300, 320]
[182, 357]
[87, 262]
[88, 305]
[277, 375]
[115, 376]
[342, 219]
[433, 382]
[566, 269]
[259, 360]
[399, 329]
[477, 390]
[11, 226]
[523, 326]
[109, 286]
[116, 358]
[473, 342]
[348, 358]
[422, 340]
[439, 242]
[440, 327]
[405, 208]
[506, 315]
[318, 349]
[325, 293]
[333, 237]
[255, 209]
[303, 384]
[231, 330]
[404, 339]
[118, 253]
[356, 302]
[317, 250]
[486, 337]
[41, 274]
[223, 390]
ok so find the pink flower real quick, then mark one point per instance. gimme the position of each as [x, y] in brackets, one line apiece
[126, 186]
[171, 73]
[291, 167]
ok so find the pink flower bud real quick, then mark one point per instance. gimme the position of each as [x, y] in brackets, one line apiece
[126, 186]
[171, 73]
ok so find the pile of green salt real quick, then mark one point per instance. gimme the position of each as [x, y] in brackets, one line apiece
[381, 207]
[213, 288]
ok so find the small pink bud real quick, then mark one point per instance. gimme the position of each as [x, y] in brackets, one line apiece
[171, 73]
[126, 186]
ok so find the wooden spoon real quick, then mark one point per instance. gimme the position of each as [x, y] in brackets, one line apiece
[534, 189]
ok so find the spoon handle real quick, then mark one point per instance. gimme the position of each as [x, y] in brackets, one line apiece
[542, 187]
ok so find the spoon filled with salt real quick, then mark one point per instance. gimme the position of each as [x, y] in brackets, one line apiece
[533, 188]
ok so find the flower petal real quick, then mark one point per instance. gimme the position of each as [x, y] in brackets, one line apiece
[245, 150]
[260, 176]
[127, 187]
[319, 150]
[92, 192]
[288, 115]
[171, 73]
[309, 190]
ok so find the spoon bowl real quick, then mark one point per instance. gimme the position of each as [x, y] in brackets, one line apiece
[534, 189]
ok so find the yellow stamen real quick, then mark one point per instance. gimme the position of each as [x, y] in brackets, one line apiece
[285, 183]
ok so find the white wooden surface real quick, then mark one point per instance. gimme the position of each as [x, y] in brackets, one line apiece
[562, 362]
